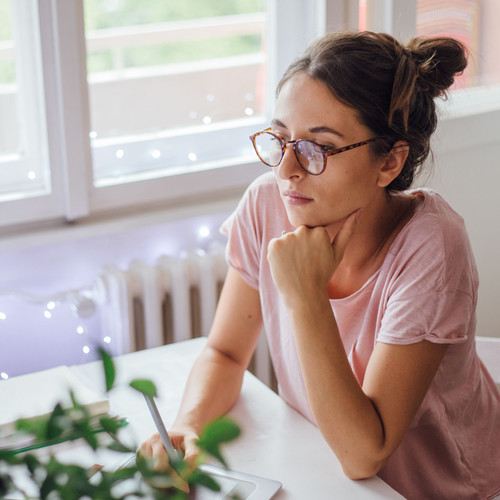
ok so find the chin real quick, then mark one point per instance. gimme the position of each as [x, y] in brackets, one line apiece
[298, 217]
[300, 221]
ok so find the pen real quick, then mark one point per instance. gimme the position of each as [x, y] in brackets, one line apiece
[173, 456]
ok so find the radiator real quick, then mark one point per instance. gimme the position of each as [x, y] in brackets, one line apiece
[174, 299]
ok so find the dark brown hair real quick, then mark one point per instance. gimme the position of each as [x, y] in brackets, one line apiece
[391, 86]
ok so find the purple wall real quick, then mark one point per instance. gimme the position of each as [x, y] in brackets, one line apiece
[29, 341]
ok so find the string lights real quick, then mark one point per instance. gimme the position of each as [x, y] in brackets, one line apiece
[82, 302]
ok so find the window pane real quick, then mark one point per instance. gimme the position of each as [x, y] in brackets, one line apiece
[474, 23]
[24, 172]
[159, 71]
[9, 136]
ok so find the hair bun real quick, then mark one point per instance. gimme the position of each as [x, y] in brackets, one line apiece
[438, 60]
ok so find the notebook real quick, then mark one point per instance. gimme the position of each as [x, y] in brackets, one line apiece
[36, 394]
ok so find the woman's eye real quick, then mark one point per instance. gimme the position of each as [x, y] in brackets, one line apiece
[284, 139]
[327, 145]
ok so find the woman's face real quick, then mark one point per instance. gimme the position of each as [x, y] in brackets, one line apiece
[306, 109]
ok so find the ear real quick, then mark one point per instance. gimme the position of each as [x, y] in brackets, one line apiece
[393, 163]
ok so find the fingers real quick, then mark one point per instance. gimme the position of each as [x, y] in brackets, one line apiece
[153, 450]
[191, 450]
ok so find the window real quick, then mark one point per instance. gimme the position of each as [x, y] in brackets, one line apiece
[23, 161]
[166, 78]
[131, 103]
[473, 23]
[108, 105]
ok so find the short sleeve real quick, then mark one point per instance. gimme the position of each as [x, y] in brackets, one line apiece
[243, 245]
[442, 317]
[432, 295]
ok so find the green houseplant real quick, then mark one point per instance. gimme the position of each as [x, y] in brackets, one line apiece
[55, 480]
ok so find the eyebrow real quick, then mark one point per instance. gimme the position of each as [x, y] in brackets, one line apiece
[313, 130]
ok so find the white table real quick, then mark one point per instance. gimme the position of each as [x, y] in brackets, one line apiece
[276, 441]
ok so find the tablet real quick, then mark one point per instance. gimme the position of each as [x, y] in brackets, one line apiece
[240, 484]
[245, 486]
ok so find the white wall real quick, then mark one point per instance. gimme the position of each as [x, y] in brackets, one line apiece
[466, 172]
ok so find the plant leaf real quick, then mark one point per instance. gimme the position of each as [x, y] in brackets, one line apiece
[32, 462]
[35, 426]
[124, 473]
[217, 432]
[110, 424]
[6, 484]
[56, 423]
[145, 387]
[109, 368]
[9, 456]
[176, 495]
[201, 478]
[120, 447]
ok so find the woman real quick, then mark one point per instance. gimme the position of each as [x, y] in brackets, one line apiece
[367, 290]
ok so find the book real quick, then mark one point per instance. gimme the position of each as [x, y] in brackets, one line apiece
[36, 394]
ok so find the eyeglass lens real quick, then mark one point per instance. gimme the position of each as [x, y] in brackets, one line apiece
[270, 151]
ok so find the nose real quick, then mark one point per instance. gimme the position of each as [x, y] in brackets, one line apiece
[290, 166]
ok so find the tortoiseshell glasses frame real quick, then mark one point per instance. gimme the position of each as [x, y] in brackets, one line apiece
[310, 155]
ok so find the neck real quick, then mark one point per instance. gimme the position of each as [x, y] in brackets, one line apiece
[376, 229]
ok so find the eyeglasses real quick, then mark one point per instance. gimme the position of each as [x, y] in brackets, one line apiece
[270, 149]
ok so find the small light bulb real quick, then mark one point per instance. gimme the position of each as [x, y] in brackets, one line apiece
[120, 153]
[4, 376]
[107, 339]
[31, 175]
[80, 329]
[193, 156]
[3, 315]
[156, 154]
[249, 111]
[86, 349]
[51, 305]
[92, 134]
[204, 231]
[207, 120]
[47, 314]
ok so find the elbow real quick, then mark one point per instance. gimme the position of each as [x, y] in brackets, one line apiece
[361, 469]
[356, 474]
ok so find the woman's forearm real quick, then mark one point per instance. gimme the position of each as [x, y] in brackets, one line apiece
[344, 414]
[213, 387]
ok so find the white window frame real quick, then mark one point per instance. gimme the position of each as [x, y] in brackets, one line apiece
[292, 25]
[33, 131]
[74, 196]
[295, 23]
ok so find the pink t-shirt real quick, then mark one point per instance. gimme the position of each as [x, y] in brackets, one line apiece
[426, 289]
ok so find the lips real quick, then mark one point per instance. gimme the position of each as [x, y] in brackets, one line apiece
[295, 198]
